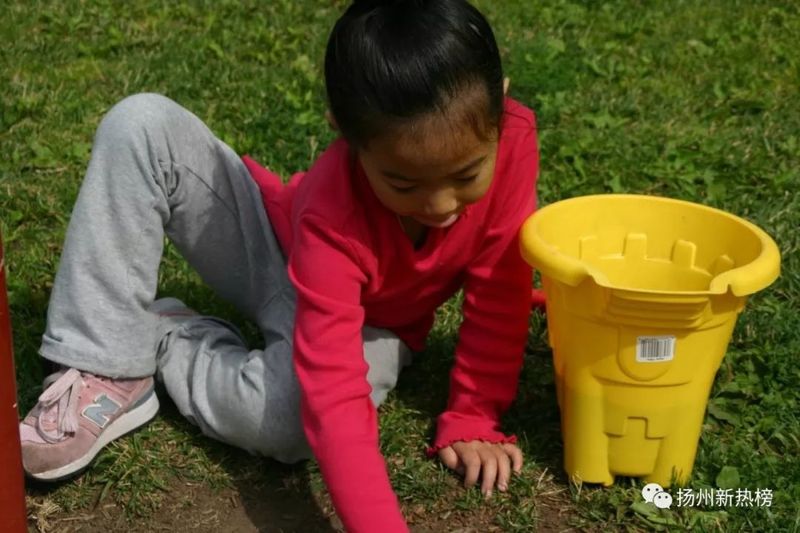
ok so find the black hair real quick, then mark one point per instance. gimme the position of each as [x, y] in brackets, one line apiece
[388, 61]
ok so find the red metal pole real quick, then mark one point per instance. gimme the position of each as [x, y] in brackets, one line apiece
[12, 482]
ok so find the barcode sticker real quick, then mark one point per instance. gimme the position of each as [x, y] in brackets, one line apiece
[655, 349]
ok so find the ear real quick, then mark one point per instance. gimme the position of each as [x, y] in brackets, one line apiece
[506, 83]
[331, 120]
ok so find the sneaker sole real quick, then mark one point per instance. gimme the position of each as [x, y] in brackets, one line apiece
[126, 423]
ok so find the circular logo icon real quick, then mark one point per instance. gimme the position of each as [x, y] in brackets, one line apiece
[650, 490]
[662, 500]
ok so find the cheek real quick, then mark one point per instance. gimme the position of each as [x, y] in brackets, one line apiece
[475, 193]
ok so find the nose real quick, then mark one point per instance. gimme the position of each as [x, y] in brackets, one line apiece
[440, 204]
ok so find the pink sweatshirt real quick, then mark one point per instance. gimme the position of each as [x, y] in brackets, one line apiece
[352, 264]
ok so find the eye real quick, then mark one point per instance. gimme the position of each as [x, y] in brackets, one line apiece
[468, 179]
[401, 190]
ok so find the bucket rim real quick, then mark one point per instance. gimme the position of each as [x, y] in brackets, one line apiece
[747, 279]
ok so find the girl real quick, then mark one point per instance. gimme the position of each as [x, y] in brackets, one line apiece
[342, 268]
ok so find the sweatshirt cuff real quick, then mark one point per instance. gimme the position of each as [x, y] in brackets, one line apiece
[458, 428]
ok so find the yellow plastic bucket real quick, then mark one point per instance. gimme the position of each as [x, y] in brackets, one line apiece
[642, 297]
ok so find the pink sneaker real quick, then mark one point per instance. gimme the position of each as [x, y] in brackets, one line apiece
[78, 414]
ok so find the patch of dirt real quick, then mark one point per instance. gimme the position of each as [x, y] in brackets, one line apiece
[194, 507]
[553, 509]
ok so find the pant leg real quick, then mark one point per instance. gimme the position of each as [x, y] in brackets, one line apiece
[252, 399]
[155, 169]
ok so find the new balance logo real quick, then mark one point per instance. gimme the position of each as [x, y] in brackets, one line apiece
[101, 411]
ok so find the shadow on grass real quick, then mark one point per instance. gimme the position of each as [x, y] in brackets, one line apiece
[274, 496]
[252, 494]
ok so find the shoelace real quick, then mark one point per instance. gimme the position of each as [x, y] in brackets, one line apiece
[62, 395]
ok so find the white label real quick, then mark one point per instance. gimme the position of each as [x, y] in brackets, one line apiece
[655, 349]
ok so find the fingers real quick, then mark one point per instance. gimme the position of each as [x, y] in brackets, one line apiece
[489, 460]
[449, 457]
[472, 466]
[503, 469]
[516, 457]
[491, 463]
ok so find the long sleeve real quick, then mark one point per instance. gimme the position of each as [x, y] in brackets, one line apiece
[492, 337]
[338, 416]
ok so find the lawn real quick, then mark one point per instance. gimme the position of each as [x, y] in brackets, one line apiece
[692, 99]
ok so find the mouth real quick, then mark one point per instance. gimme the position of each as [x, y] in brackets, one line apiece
[438, 222]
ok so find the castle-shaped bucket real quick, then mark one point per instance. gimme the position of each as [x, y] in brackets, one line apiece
[642, 296]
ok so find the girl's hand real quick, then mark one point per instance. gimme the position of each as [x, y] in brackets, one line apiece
[489, 461]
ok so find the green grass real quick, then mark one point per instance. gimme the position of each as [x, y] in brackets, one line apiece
[689, 99]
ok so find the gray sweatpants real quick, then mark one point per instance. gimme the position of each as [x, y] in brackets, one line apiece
[156, 169]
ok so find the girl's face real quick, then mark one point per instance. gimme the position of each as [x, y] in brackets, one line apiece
[430, 172]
